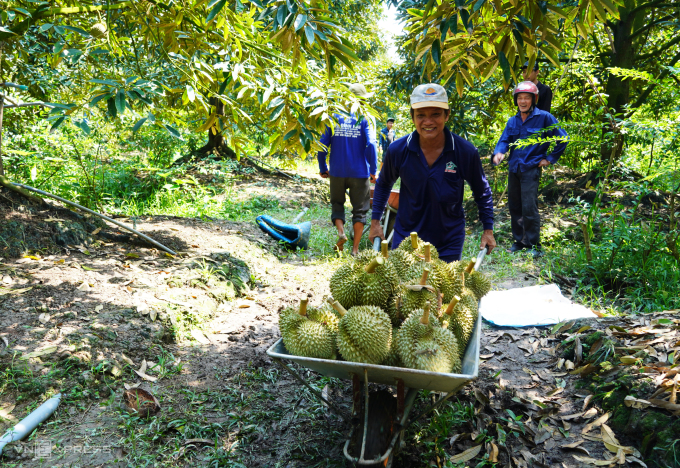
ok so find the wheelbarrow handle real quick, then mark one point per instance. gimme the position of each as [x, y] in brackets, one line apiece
[376, 243]
[480, 257]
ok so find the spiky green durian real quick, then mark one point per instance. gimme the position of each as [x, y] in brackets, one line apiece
[459, 318]
[416, 247]
[380, 280]
[414, 296]
[363, 282]
[402, 262]
[364, 334]
[344, 286]
[478, 283]
[423, 344]
[309, 332]
[393, 358]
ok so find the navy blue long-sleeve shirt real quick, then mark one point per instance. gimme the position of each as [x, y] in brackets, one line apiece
[431, 198]
[528, 157]
[353, 150]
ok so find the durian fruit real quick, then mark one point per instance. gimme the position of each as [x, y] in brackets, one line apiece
[415, 296]
[364, 282]
[98, 30]
[344, 285]
[415, 247]
[364, 334]
[438, 276]
[423, 344]
[477, 281]
[309, 332]
[402, 262]
[460, 319]
[393, 359]
[380, 280]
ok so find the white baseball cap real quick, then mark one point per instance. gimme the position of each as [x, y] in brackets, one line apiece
[429, 95]
[360, 90]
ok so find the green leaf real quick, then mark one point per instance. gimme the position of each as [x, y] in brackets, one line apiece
[478, 5]
[191, 94]
[289, 135]
[172, 131]
[436, 51]
[275, 102]
[58, 123]
[309, 33]
[505, 66]
[5, 30]
[277, 112]
[215, 10]
[78, 30]
[300, 21]
[138, 125]
[111, 107]
[105, 82]
[120, 101]
[98, 98]
[45, 27]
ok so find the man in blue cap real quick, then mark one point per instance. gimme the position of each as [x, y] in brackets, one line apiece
[525, 164]
[353, 159]
[433, 165]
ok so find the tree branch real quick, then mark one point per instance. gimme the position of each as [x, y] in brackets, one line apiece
[645, 94]
[21, 28]
[660, 49]
[650, 25]
[645, 6]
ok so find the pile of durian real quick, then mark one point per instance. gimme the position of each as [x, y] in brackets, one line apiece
[403, 308]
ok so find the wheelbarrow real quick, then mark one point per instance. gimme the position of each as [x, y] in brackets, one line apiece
[379, 420]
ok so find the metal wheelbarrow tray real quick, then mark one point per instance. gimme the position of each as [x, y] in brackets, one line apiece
[408, 383]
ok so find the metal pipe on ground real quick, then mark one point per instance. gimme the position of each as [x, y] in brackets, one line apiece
[87, 210]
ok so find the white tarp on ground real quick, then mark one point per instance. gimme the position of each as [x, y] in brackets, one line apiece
[536, 305]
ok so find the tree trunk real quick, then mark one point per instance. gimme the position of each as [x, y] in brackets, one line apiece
[618, 88]
[216, 144]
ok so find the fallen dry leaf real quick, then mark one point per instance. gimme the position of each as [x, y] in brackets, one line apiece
[493, 453]
[42, 352]
[633, 402]
[636, 460]
[199, 336]
[142, 373]
[4, 340]
[569, 365]
[594, 461]
[586, 402]
[573, 444]
[467, 455]
[667, 405]
[571, 416]
[44, 318]
[597, 423]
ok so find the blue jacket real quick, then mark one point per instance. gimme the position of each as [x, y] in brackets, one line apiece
[528, 157]
[431, 198]
[353, 151]
[383, 138]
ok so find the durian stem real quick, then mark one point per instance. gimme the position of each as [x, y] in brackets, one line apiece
[452, 305]
[370, 268]
[425, 320]
[428, 255]
[384, 248]
[337, 306]
[462, 280]
[414, 240]
[470, 267]
[303, 306]
[423, 279]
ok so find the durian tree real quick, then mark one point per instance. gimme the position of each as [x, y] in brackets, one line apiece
[463, 44]
[283, 66]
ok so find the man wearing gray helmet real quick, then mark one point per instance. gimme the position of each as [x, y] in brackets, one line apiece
[433, 165]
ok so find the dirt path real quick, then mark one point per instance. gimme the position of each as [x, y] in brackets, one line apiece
[200, 324]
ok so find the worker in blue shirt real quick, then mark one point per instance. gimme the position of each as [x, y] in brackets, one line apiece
[433, 164]
[353, 160]
[387, 135]
[525, 164]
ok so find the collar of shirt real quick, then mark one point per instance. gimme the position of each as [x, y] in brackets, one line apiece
[535, 111]
[413, 142]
